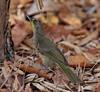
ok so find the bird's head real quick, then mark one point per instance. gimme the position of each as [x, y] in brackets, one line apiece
[37, 25]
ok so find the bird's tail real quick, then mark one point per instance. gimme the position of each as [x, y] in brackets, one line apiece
[70, 74]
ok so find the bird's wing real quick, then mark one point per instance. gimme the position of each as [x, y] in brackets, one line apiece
[47, 46]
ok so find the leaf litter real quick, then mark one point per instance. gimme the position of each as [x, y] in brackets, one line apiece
[74, 27]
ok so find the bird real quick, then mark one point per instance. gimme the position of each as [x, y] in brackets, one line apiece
[50, 52]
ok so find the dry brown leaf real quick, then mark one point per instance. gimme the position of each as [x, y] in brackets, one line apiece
[79, 60]
[59, 78]
[71, 20]
[98, 87]
[71, 46]
[16, 84]
[98, 46]
[51, 19]
[36, 70]
[89, 38]
[56, 32]
[74, 21]
[15, 3]
[13, 6]
[80, 34]
[26, 3]
[4, 90]
[20, 30]
[28, 88]
[94, 51]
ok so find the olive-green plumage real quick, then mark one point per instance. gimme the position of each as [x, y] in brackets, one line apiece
[49, 49]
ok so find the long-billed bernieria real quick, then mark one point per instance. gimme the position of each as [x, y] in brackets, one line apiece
[52, 55]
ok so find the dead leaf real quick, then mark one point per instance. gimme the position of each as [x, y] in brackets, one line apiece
[89, 38]
[56, 32]
[4, 90]
[26, 3]
[71, 46]
[98, 87]
[80, 34]
[59, 78]
[51, 19]
[20, 31]
[70, 19]
[79, 60]
[28, 88]
[98, 46]
[15, 3]
[16, 84]
[94, 51]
